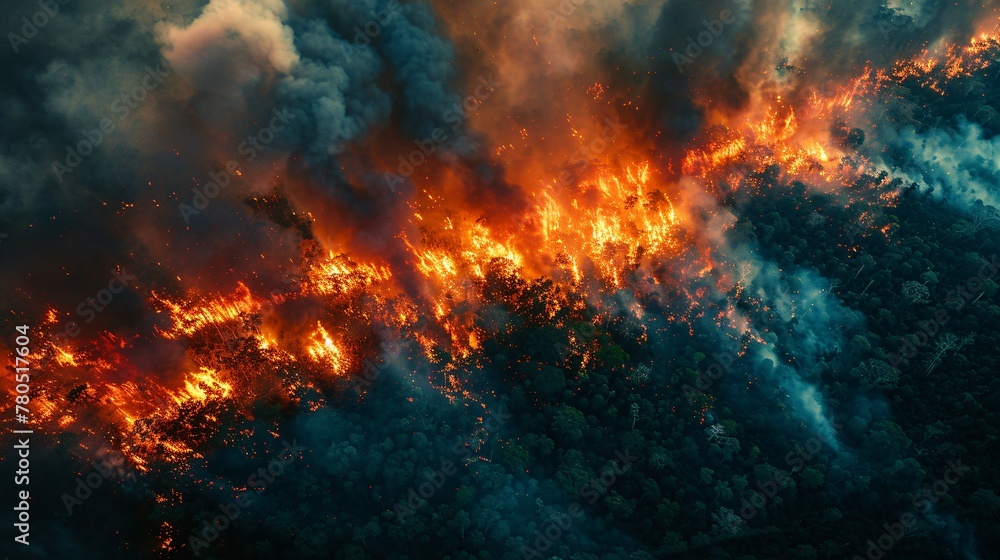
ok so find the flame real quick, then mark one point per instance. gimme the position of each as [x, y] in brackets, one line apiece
[189, 318]
[202, 385]
[64, 357]
[628, 219]
[338, 275]
[958, 61]
[325, 351]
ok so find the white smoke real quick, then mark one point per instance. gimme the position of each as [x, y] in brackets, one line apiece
[959, 165]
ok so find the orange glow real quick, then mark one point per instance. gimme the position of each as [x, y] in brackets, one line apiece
[189, 318]
[325, 351]
[339, 275]
[64, 358]
[202, 385]
[631, 217]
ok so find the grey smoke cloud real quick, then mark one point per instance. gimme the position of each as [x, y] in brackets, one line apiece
[960, 165]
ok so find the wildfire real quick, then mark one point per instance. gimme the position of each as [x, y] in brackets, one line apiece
[628, 218]
[338, 275]
[64, 358]
[188, 318]
[202, 385]
[957, 62]
[324, 351]
[616, 224]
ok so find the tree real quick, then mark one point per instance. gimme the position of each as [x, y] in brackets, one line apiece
[990, 288]
[515, 456]
[705, 474]
[812, 478]
[672, 542]
[463, 520]
[569, 422]
[310, 542]
[667, 511]
[916, 292]
[612, 356]
[370, 529]
[723, 492]
[620, 507]
[945, 343]
[718, 439]
[726, 523]
[464, 496]
[878, 374]
[859, 345]
[986, 503]
[572, 471]
[659, 458]
[739, 483]
[745, 270]
[549, 382]
[700, 540]
[980, 220]
[641, 373]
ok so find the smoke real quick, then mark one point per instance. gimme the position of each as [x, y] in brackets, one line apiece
[344, 71]
[187, 89]
[799, 322]
[732, 47]
[227, 54]
[958, 165]
[333, 92]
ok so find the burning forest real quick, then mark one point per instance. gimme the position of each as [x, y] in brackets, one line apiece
[424, 279]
